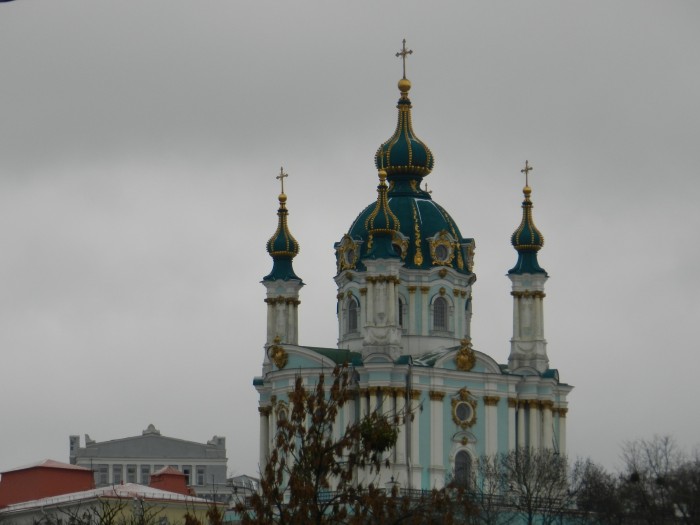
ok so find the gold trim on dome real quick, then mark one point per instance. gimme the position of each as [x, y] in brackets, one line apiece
[348, 253]
[401, 242]
[418, 257]
[464, 398]
[465, 358]
[444, 240]
[277, 354]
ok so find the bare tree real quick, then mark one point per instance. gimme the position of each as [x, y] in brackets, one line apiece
[538, 484]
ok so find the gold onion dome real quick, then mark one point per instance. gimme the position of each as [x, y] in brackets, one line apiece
[381, 224]
[282, 246]
[404, 153]
[527, 239]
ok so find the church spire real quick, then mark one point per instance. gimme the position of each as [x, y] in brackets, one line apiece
[282, 246]
[527, 239]
[404, 155]
[528, 347]
[381, 224]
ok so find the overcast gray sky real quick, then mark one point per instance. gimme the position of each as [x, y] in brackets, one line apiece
[139, 144]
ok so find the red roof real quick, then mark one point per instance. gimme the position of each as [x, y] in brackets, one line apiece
[48, 463]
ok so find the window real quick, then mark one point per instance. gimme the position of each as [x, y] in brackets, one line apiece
[156, 468]
[200, 475]
[353, 314]
[131, 473]
[463, 468]
[401, 309]
[187, 471]
[145, 474]
[117, 474]
[101, 474]
[440, 314]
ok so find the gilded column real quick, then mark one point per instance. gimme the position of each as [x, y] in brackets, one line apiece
[491, 409]
[535, 423]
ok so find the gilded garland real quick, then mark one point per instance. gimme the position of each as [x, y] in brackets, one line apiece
[277, 354]
[465, 358]
[464, 409]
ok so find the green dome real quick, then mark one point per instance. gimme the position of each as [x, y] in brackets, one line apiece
[404, 153]
[527, 240]
[282, 247]
[426, 236]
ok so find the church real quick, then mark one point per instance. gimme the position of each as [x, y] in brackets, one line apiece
[404, 276]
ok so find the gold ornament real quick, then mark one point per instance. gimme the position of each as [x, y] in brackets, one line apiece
[465, 358]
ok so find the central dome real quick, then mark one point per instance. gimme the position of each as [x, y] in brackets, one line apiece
[425, 236]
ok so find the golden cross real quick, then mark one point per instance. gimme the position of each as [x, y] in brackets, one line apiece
[403, 54]
[281, 177]
[526, 170]
[429, 192]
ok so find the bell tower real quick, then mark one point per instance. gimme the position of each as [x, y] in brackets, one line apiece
[528, 347]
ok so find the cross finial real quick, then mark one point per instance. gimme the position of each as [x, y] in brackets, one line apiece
[403, 53]
[429, 192]
[281, 177]
[526, 170]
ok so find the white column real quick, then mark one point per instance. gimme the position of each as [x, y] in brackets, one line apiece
[412, 310]
[512, 404]
[264, 445]
[369, 317]
[562, 430]
[534, 413]
[547, 424]
[425, 306]
[437, 466]
[372, 399]
[521, 423]
[491, 409]
[391, 307]
[400, 415]
[415, 438]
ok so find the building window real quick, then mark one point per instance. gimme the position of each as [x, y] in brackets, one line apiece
[353, 314]
[131, 473]
[101, 475]
[187, 471]
[463, 468]
[402, 307]
[145, 474]
[157, 468]
[440, 314]
[117, 474]
[201, 475]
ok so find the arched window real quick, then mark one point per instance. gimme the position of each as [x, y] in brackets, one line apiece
[463, 468]
[440, 314]
[353, 314]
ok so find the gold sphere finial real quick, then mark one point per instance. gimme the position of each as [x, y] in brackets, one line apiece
[404, 85]
[527, 191]
[283, 198]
